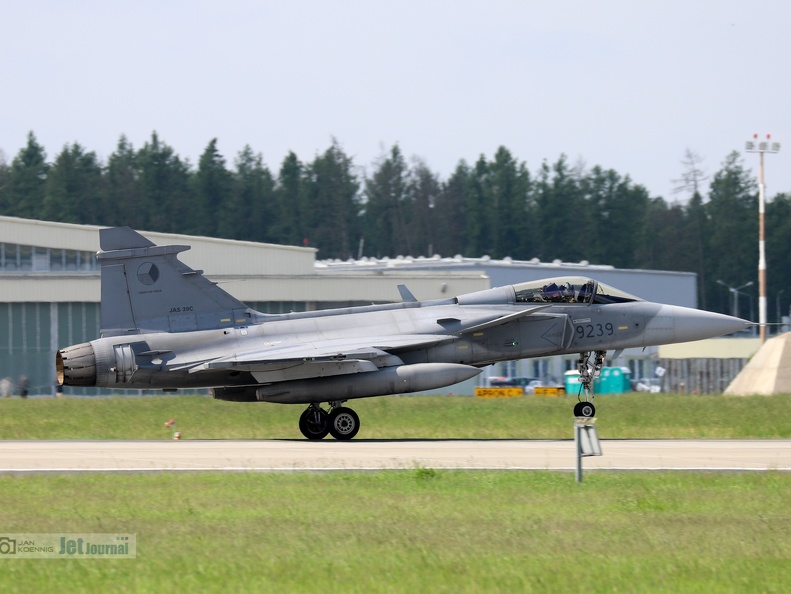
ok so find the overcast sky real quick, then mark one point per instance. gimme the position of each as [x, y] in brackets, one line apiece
[623, 84]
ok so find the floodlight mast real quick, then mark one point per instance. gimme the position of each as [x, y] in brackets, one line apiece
[761, 147]
[735, 291]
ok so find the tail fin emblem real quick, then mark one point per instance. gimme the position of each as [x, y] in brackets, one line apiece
[148, 273]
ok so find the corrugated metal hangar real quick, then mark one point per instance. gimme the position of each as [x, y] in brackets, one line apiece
[50, 286]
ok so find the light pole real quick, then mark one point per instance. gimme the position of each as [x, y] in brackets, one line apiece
[735, 292]
[761, 147]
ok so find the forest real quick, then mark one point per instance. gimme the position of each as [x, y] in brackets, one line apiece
[496, 206]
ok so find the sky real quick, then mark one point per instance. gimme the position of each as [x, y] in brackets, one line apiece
[630, 86]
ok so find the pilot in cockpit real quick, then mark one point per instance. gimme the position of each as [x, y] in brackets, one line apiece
[586, 292]
[558, 294]
[552, 292]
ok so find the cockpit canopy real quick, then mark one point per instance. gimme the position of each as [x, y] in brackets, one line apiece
[571, 289]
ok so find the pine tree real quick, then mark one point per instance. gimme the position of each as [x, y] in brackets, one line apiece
[289, 225]
[332, 205]
[74, 188]
[561, 215]
[508, 187]
[211, 189]
[450, 213]
[423, 189]
[778, 241]
[28, 180]
[732, 235]
[122, 188]
[477, 212]
[387, 202]
[165, 197]
[250, 213]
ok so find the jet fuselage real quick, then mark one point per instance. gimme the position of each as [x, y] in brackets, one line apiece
[165, 326]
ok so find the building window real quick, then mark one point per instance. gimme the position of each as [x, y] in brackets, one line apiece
[25, 258]
[40, 260]
[28, 258]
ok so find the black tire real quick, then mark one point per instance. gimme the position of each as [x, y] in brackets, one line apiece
[584, 409]
[314, 423]
[344, 423]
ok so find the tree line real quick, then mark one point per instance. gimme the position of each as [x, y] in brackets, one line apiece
[495, 206]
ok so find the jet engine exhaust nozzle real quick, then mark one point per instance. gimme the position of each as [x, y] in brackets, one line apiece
[76, 365]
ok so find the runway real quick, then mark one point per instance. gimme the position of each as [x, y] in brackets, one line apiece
[297, 455]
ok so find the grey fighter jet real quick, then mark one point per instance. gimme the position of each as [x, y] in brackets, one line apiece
[165, 326]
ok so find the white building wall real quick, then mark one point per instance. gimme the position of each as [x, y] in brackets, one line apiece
[213, 256]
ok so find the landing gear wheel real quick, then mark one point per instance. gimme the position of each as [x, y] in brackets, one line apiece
[314, 423]
[343, 423]
[584, 409]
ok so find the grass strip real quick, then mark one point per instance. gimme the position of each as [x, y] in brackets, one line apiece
[399, 417]
[410, 531]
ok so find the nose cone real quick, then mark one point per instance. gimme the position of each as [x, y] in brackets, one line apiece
[673, 324]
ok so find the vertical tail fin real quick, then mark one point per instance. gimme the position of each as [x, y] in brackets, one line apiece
[146, 288]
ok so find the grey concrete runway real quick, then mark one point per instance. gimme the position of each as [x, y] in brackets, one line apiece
[285, 455]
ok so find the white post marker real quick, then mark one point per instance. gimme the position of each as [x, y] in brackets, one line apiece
[586, 441]
[761, 147]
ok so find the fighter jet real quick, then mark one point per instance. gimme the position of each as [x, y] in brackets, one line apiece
[165, 326]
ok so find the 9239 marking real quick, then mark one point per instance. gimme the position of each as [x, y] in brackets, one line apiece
[594, 330]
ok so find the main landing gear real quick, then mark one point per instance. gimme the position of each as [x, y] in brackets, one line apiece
[341, 422]
[588, 372]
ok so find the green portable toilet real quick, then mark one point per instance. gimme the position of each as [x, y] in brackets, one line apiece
[572, 382]
[613, 380]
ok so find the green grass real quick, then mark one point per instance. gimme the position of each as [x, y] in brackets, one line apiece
[407, 531]
[410, 531]
[400, 417]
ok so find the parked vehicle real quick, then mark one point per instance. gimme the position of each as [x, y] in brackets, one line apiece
[528, 384]
[648, 384]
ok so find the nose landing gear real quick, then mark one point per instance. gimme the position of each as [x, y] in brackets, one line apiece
[584, 409]
[588, 372]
